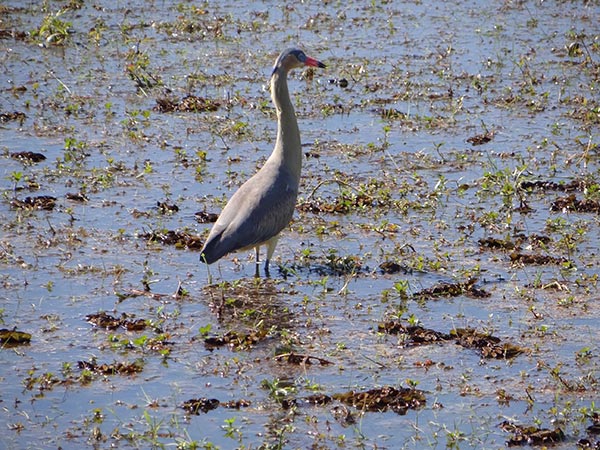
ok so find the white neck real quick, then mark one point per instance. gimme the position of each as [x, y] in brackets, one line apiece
[288, 148]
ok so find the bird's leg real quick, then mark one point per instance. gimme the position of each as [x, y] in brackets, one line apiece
[257, 265]
[271, 244]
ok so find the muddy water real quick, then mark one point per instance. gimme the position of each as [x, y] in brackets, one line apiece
[457, 140]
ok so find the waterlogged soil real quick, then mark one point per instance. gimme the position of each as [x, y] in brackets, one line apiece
[437, 287]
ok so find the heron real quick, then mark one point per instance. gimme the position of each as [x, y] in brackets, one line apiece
[264, 204]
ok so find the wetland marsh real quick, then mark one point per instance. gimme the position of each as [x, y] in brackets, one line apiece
[437, 287]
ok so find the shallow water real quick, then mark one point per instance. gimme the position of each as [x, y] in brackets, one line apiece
[422, 78]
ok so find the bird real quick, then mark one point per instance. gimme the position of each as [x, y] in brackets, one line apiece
[264, 205]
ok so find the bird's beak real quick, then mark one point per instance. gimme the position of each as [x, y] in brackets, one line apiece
[314, 63]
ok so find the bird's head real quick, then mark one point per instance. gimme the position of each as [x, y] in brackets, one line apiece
[293, 58]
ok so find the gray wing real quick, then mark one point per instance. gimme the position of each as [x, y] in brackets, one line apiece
[259, 210]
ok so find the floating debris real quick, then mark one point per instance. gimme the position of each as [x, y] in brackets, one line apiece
[11, 338]
[489, 346]
[586, 443]
[111, 369]
[341, 82]
[384, 399]
[575, 185]
[41, 202]
[167, 208]
[317, 399]
[541, 260]
[416, 334]
[343, 415]
[104, 320]
[28, 156]
[572, 204]
[390, 267]
[295, 358]
[236, 404]
[452, 290]
[76, 197]
[204, 217]
[180, 239]
[190, 103]
[344, 204]
[17, 115]
[480, 139]
[236, 340]
[495, 243]
[203, 404]
[531, 435]
[198, 405]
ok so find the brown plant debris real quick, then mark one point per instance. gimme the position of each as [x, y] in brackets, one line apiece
[76, 197]
[453, 290]
[384, 399]
[531, 435]
[190, 103]
[480, 139]
[417, 335]
[495, 243]
[523, 258]
[11, 338]
[117, 368]
[198, 405]
[571, 203]
[204, 217]
[9, 116]
[574, 185]
[167, 208]
[203, 404]
[41, 202]
[586, 443]
[236, 340]
[295, 358]
[390, 267]
[180, 239]
[343, 415]
[104, 320]
[489, 346]
[317, 399]
[340, 205]
[28, 156]
[236, 404]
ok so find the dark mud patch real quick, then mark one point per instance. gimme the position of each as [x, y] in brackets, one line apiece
[108, 322]
[11, 338]
[571, 203]
[206, 217]
[116, 368]
[189, 103]
[28, 156]
[40, 202]
[537, 259]
[236, 340]
[13, 116]
[177, 238]
[447, 290]
[203, 405]
[489, 346]
[301, 359]
[576, 185]
[531, 435]
[399, 400]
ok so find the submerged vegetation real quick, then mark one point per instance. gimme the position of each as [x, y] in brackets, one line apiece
[437, 288]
